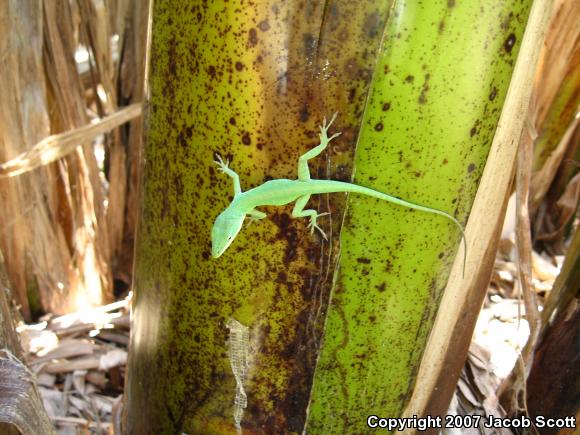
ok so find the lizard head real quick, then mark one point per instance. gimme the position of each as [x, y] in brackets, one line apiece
[225, 229]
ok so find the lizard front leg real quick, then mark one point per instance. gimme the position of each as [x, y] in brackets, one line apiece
[303, 171]
[223, 167]
[299, 211]
[255, 215]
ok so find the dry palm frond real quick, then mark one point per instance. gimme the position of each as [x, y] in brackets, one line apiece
[20, 404]
[55, 147]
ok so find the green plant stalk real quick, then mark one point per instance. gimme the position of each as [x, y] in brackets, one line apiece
[435, 101]
[225, 78]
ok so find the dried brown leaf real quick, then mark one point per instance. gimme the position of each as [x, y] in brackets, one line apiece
[79, 380]
[113, 358]
[64, 366]
[67, 349]
[97, 378]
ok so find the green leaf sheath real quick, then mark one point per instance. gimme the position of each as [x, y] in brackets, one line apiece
[252, 82]
[435, 101]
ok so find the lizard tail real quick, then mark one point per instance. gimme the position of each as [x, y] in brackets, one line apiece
[402, 202]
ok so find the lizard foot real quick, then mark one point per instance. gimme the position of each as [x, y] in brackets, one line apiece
[251, 220]
[222, 165]
[312, 225]
[324, 129]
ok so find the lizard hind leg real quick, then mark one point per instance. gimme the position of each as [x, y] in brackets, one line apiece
[303, 170]
[299, 212]
[255, 214]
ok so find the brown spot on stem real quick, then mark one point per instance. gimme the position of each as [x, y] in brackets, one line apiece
[509, 43]
[304, 113]
[351, 95]
[264, 25]
[211, 71]
[424, 90]
[379, 126]
[252, 37]
[282, 278]
[471, 167]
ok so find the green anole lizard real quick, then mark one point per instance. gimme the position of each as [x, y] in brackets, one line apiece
[282, 191]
